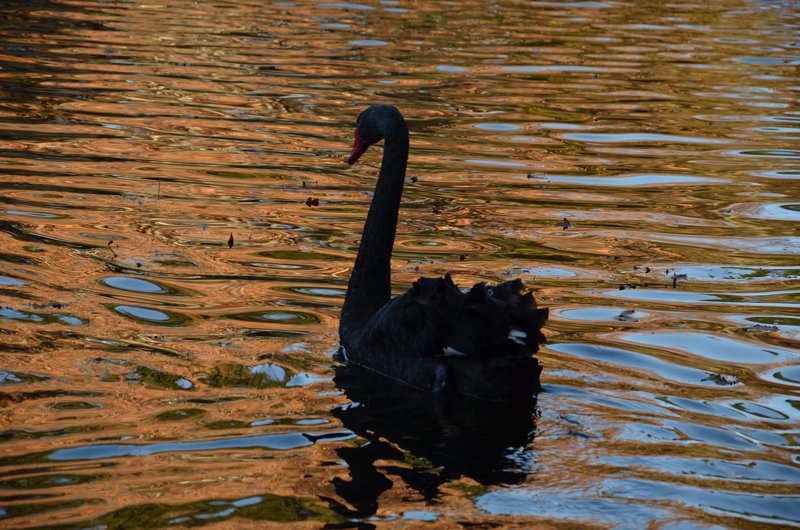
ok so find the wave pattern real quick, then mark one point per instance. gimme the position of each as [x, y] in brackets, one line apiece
[169, 297]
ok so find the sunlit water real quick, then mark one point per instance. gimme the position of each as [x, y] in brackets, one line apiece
[635, 162]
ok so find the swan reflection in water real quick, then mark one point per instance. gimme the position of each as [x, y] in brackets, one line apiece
[433, 439]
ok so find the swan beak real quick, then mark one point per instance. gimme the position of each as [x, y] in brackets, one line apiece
[358, 149]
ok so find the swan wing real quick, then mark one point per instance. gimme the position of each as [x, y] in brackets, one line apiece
[435, 318]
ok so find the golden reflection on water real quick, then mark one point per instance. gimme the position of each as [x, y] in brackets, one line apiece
[151, 375]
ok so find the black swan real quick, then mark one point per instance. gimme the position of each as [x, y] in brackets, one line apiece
[436, 338]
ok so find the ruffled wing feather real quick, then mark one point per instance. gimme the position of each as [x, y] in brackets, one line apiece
[435, 318]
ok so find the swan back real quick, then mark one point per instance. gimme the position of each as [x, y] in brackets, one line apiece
[435, 318]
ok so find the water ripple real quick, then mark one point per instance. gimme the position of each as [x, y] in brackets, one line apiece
[178, 225]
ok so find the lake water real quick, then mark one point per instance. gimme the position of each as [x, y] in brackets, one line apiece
[636, 163]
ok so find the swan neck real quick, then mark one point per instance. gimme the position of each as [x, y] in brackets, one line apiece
[370, 283]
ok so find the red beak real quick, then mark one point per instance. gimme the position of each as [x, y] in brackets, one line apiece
[358, 149]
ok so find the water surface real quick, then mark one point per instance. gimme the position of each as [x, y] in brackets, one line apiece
[169, 296]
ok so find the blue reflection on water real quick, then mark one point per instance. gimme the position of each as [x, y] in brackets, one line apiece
[267, 441]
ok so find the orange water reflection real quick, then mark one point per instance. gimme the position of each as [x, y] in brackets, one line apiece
[151, 376]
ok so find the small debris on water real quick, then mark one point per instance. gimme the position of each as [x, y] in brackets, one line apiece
[537, 176]
[627, 316]
[230, 241]
[760, 327]
[412, 178]
[720, 379]
[462, 257]
[676, 277]
[55, 305]
[564, 224]
[312, 201]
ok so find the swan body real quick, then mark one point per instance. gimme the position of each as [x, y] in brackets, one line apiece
[435, 337]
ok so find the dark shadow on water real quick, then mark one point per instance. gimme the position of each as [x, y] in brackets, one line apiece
[28, 28]
[434, 440]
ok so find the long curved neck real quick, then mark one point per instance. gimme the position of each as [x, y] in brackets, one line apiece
[370, 283]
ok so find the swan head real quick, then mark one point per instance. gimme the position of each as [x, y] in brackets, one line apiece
[373, 125]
